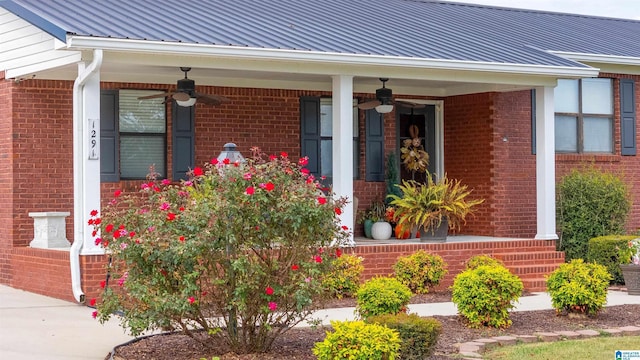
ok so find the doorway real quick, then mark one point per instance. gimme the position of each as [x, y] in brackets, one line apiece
[419, 124]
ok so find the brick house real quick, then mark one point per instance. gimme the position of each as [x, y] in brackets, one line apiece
[505, 100]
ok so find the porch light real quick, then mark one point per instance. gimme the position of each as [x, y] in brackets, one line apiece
[230, 151]
[384, 108]
[187, 103]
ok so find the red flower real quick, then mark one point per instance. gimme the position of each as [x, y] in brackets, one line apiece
[272, 306]
[295, 267]
[92, 302]
[181, 208]
[98, 241]
[191, 299]
[322, 200]
[117, 193]
[94, 212]
[268, 290]
[171, 216]
[305, 171]
[97, 221]
[90, 222]
[318, 259]
[269, 186]
[345, 227]
[132, 233]
[226, 161]
[338, 252]
[303, 161]
[94, 314]
[272, 157]
[338, 211]
[197, 171]
[214, 161]
[284, 154]
[109, 228]
[103, 284]
[250, 190]
[181, 238]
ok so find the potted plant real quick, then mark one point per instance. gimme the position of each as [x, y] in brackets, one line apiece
[629, 257]
[434, 207]
[374, 221]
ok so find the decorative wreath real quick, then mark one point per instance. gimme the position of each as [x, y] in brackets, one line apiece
[413, 156]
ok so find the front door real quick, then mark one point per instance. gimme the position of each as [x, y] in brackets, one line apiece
[419, 126]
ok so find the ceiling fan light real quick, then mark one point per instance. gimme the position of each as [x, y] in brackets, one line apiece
[187, 103]
[384, 108]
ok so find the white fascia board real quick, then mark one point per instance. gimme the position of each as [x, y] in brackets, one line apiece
[181, 49]
[599, 58]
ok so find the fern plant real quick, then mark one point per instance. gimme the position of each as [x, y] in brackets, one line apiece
[427, 205]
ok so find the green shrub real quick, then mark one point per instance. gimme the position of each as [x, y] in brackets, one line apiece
[591, 203]
[604, 250]
[485, 295]
[343, 279]
[578, 287]
[419, 335]
[382, 295]
[479, 260]
[420, 271]
[357, 340]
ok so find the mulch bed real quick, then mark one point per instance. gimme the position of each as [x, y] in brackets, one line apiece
[296, 344]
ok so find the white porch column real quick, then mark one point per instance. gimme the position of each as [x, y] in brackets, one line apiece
[545, 164]
[342, 105]
[86, 149]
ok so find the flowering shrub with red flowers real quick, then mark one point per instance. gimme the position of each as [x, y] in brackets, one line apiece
[238, 251]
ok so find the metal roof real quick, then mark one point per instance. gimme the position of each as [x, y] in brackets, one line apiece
[395, 28]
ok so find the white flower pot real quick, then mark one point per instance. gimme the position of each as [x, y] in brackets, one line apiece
[381, 230]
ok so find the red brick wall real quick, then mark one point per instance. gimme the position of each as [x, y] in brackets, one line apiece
[468, 146]
[6, 179]
[627, 167]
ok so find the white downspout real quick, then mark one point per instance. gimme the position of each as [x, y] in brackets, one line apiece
[78, 171]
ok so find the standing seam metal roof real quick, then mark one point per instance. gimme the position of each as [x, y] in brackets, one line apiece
[396, 28]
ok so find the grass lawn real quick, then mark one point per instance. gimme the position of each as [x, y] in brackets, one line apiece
[588, 349]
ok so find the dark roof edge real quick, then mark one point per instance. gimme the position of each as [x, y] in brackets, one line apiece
[34, 19]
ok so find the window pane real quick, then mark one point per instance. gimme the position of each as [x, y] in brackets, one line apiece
[597, 135]
[142, 116]
[326, 158]
[597, 96]
[326, 117]
[566, 129]
[566, 96]
[138, 153]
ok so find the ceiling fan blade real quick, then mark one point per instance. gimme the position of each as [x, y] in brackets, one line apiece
[217, 98]
[180, 96]
[410, 104]
[155, 96]
[369, 105]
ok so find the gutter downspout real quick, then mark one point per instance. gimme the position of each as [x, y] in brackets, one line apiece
[78, 180]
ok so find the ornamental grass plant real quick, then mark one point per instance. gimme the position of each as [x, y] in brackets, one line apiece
[238, 251]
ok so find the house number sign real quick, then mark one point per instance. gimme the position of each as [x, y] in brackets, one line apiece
[94, 149]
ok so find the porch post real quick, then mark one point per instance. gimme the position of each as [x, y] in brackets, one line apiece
[545, 164]
[86, 148]
[342, 148]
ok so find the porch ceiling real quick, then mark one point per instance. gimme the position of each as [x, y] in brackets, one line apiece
[229, 72]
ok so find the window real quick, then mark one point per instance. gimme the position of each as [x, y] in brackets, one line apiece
[133, 135]
[316, 136]
[584, 116]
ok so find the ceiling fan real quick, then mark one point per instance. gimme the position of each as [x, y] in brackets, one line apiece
[186, 94]
[384, 101]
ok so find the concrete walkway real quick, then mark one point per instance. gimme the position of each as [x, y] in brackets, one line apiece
[38, 327]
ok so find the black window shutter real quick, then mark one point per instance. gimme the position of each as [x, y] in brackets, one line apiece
[183, 139]
[627, 117]
[374, 148]
[310, 132]
[109, 141]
